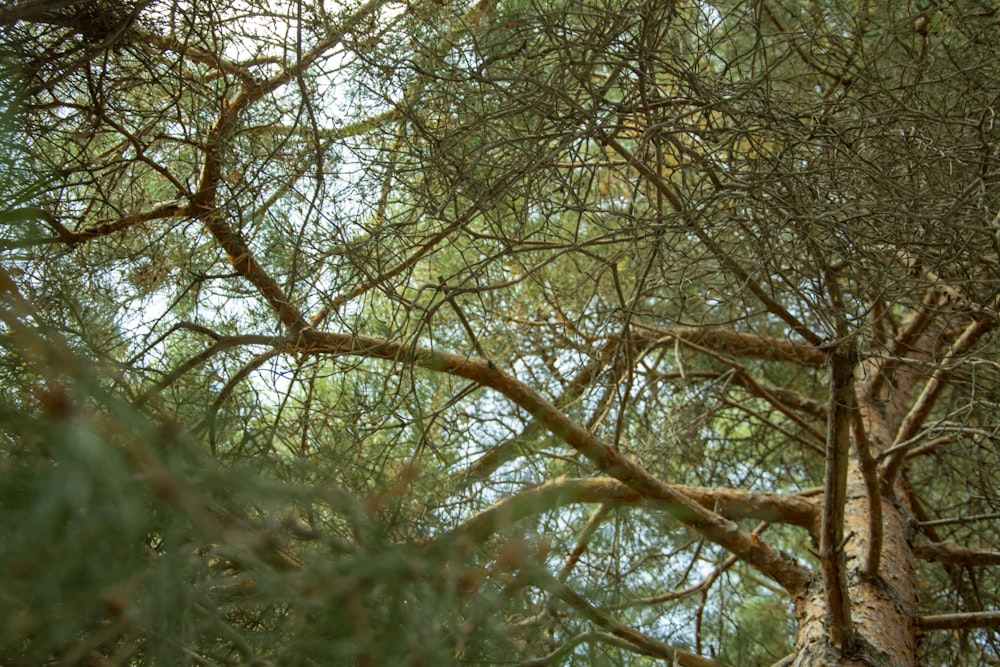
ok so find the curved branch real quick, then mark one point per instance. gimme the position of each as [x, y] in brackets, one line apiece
[642, 642]
[781, 567]
[733, 504]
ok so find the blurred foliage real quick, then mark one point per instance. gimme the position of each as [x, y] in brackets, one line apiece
[118, 539]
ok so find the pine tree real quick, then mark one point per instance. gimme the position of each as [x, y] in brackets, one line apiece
[521, 332]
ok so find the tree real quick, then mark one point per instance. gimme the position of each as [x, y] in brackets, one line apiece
[528, 332]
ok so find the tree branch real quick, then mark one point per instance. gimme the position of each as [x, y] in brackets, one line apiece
[737, 343]
[731, 504]
[643, 642]
[959, 519]
[834, 496]
[869, 472]
[781, 567]
[947, 552]
[582, 541]
[973, 619]
[699, 587]
[221, 344]
[203, 201]
[723, 258]
[506, 450]
[565, 649]
[37, 11]
[932, 390]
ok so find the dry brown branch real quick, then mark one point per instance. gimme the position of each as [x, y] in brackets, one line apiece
[648, 645]
[972, 619]
[932, 391]
[955, 554]
[832, 561]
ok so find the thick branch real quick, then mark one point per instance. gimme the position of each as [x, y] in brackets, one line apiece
[732, 504]
[170, 209]
[775, 564]
[835, 490]
[737, 343]
[643, 642]
[975, 619]
[947, 552]
[200, 56]
[240, 257]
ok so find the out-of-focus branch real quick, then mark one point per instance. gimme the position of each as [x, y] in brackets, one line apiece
[644, 643]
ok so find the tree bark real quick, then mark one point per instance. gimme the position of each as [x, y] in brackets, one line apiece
[883, 609]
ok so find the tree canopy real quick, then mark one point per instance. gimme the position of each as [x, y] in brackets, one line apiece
[529, 332]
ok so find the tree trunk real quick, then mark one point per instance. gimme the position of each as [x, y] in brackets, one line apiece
[883, 609]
